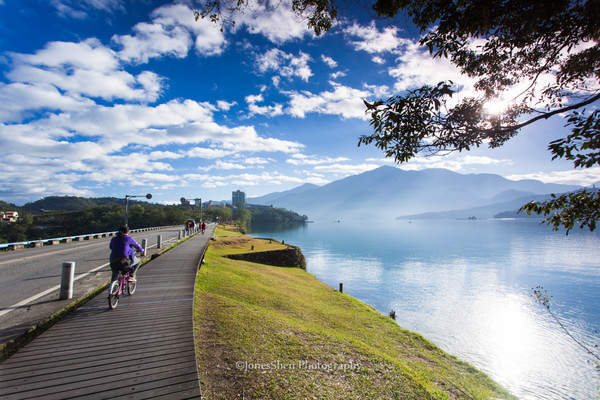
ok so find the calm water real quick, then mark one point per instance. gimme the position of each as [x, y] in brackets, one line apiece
[466, 286]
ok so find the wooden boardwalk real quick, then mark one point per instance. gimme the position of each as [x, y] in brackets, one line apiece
[143, 349]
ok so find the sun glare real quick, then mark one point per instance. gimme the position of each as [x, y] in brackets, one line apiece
[495, 107]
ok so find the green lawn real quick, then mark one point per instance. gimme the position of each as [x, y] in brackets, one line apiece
[266, 332]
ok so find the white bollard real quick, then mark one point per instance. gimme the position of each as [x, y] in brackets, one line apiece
[159, 241]
[144, 246]
[66, 282]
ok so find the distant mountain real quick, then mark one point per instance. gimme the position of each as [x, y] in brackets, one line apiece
[389, 192]
[274, 197]
[505, 209]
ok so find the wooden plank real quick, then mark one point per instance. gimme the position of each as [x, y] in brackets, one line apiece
[143, 349]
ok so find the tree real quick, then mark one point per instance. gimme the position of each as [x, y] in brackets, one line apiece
[243, 217]
[539, 58]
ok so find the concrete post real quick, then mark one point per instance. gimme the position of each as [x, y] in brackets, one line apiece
[179, 238]
[144, 246]
[66, 282]
[159, 241]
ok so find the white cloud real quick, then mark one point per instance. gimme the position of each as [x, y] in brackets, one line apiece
[225, 105]
[209, 40]
[222, 165]
[346, 169]
[258, 161]
[83, 69]
[343, 100]
[170, 34]
[415, 68]
[201, 152]
[374, 41]
[79, 9]
[329, 61]
[253, 108]
[302, 159]
[279, 23]
[456, 162]
[20, 100]
[161, 155]
[276, 178]
[153, 41]
[285, 64]
[271, 111]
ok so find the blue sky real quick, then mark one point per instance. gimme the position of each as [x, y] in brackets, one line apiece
[114, 97]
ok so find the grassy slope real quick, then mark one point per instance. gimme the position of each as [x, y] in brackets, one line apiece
[265, 332]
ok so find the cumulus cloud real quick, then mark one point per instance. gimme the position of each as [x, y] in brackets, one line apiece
[21, 100]
[415, 67]
[152, 41]
[172, 32]
[279, 24]
[285, 64]
[84, 69]
[374, 41]
[344, 101]
[225, 105]
[268, 110]
[329, 61]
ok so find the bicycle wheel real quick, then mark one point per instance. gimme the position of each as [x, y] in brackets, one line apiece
[131, 287]
[113, 294]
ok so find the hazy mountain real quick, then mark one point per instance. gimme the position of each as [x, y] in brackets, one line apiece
[274, 197]
[389, 192]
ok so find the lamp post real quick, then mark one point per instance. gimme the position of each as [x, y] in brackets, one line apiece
[127, 197]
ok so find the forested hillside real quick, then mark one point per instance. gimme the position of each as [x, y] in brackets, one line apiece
[55, 217]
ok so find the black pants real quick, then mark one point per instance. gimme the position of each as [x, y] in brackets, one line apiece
[122, 265]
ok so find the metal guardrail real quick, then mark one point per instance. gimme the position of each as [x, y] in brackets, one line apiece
[88, 236]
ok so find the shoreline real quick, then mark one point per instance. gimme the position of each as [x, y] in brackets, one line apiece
[277, 332]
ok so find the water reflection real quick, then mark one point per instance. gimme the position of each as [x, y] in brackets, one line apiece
[466, 286]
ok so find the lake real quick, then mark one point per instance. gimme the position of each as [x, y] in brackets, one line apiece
[466, 285]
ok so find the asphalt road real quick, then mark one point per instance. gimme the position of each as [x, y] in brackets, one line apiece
[30, 278]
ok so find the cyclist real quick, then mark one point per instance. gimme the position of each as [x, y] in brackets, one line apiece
[122, 255]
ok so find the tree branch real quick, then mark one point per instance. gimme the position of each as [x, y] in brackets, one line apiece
[544, 116]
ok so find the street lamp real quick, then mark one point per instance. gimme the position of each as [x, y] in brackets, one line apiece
[127, 197]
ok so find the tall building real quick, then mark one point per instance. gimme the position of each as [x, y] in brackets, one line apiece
[238, 198]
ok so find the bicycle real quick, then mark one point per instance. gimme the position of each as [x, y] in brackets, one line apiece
[125, 283]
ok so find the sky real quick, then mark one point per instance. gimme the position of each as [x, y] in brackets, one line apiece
[113, 98]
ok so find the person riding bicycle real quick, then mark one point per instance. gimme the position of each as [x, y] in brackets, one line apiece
[122, 255]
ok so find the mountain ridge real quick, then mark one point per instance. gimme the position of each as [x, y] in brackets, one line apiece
[390, 192]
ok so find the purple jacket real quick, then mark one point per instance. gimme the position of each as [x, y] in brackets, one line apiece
[122, 246]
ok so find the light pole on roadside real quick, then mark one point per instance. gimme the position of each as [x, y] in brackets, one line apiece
[127, 197]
